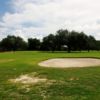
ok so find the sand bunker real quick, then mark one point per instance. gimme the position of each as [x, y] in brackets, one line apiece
[70, 62]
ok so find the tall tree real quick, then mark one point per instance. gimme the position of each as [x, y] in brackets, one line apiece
[61, 38]
[48, 43]
[73, 40]
[82, 41]
[33, 44]
[92, 43]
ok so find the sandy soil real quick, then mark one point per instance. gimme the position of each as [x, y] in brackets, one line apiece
[70, 62]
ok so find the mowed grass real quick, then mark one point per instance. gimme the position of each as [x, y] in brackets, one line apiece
[70, 83]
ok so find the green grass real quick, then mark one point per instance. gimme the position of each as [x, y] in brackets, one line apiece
[84, 86]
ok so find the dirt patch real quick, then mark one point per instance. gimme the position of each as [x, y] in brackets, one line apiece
[26, 79]
[70, 62]
[6, 60]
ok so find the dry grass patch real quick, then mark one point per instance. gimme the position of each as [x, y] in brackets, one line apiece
[6, 60]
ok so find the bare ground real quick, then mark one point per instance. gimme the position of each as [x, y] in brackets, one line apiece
[26, 79]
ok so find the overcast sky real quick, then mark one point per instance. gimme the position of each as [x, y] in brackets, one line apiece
[38, 18]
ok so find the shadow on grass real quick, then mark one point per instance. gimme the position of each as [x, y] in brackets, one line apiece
[64, 52]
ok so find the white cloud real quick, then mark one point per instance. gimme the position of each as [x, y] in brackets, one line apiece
[38, 18]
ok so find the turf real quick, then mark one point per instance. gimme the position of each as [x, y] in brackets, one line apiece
[70, 83]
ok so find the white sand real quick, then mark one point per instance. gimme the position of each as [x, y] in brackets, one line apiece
[70, 62]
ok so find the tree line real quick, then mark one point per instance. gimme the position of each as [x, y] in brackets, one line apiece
[62, 40]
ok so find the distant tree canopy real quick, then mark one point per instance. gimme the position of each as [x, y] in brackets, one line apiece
[72, 41]
[62, 40]
[33, 44]
[48, 43]
[12, 43]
